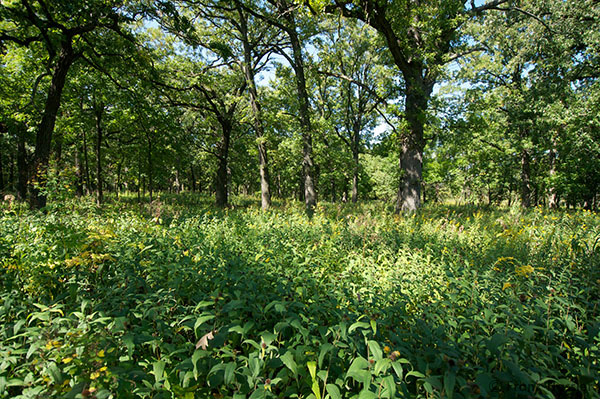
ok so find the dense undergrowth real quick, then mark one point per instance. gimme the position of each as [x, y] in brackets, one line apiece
[180, 300]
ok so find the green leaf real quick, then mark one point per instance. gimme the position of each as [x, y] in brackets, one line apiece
[203, 319]
[389, 386]
[197, 355]
[486, 383]
[229, 373]
[158, 369]
[254, 364]
[268, 337]
[288, 360]
[382, 365]
[312, 369]
[326, 347]
[315, 389]
[358, 371]
[18, 326]
[415, 374]
[55, 373]
[333, 391]
[366, 394]
[260, 393]
[356, 325]
[34, 347]
[375, 350]
[374, 326]
[496, 341]
[449, 382]
[398, 369]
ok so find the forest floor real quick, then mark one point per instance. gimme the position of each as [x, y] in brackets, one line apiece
[178, 299]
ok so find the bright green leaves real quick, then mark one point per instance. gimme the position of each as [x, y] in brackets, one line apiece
[359, 371]
[158, 369]
[312, 369]
[288, 360]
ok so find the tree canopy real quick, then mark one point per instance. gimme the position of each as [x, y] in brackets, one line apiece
[490, 101]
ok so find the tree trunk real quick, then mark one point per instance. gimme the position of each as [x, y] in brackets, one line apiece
[265, 181]
[525, 178]
[78, 173]
[139, 182]
[193, 178]
[11, 171]
[86, 165]
[417, 97]
[221, 183]
[310, 196]
[355, 146]
[43, 140]
[150, 167]
[119, 167]
[177, 182]
[279, 189]
[99, 112]
[333, 190]
[552, 194]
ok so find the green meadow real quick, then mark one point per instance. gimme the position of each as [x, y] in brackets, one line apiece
[179, 299]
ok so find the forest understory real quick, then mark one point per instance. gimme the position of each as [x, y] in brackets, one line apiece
[179, 299]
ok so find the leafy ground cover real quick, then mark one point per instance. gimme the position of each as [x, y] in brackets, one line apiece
[176, 299]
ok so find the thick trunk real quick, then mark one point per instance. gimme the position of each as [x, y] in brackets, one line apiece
[310, 196]
[221, 199]
[265, 181]
[418, 93]
[43, 139]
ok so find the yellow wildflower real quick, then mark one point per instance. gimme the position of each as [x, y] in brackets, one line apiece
[524, 270]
